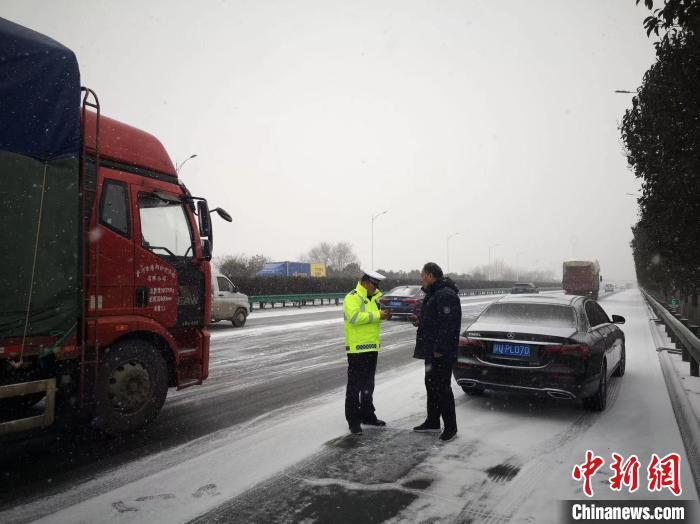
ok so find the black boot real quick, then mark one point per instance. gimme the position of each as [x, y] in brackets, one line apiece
[356, 429]
[373, 422]
[448, 435]
[428, 427]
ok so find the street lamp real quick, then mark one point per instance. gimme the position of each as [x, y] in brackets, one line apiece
[517, 267]
[374, 217]
[179, 166]
[447, 245]
[625, 91]
[490, 248]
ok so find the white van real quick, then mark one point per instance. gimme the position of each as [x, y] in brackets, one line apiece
[228, 303]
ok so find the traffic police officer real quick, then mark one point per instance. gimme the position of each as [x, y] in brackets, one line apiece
[362, 317]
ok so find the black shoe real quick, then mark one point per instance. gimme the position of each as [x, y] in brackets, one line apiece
[448, 435]
[356, 429]
[427, 427]
[374, 422]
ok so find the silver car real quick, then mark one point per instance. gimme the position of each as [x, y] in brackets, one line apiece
[228, 302]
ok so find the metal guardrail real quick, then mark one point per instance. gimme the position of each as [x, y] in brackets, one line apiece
[681, 332]
[295, 300]
[312, 298]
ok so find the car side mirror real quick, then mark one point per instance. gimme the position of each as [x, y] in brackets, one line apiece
[206, 249]
[617, 319]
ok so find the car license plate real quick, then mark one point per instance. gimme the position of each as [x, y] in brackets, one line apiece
[511, 350]
[395, 304]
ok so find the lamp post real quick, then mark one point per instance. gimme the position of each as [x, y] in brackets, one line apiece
[179, 166]
[517, 267]
[374, 217]
[447, 246]
[490, 248]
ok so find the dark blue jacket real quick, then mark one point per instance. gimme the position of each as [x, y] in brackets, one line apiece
[440, 322]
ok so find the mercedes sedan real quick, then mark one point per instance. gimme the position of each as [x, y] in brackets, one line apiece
[565, 347]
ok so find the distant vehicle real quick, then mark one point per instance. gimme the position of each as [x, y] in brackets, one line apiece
[524, 287]
[581, 277]
[292, 269]
[609, 288]
[403, 301]
[228, 302]
[565, 347]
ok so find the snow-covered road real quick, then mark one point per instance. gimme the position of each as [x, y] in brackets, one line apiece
[512, 460]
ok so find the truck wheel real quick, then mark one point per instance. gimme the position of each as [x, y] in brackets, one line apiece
[239, 317]
[598, 401]
[131, 387]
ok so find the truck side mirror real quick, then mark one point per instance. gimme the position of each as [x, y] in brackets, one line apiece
[206, 249]
[222, 213]
[204, 218]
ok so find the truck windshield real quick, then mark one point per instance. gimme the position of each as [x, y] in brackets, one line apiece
[165, 229]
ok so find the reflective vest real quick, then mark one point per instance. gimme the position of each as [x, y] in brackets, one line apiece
[361, 321]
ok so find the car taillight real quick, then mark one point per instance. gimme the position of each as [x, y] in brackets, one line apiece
[572, 350]
[465, 342]
[411, 301]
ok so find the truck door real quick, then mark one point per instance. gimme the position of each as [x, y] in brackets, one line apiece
[169, 286]
[115, 270]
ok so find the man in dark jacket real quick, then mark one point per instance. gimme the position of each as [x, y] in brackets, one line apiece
[437, 341]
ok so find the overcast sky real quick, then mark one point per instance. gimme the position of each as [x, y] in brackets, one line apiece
[497, 120]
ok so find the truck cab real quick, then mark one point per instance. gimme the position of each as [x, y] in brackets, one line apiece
[228, 303]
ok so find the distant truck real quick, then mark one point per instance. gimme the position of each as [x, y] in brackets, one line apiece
[105, 279]
[581, 277]
[292, 269]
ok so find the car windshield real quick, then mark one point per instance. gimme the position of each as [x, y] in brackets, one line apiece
[404, 291]
[537, 314]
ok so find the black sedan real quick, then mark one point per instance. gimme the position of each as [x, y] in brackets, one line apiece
[403, 301]
[565, 347]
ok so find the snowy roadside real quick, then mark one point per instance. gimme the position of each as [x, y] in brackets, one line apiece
[512, 459]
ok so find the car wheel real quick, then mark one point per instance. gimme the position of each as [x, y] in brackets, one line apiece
[620, 370]
[239, 318]
[598, 401]
[475, 391]
[131, 387]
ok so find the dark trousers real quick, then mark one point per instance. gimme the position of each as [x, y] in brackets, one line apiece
[358, 395]
[441, 401]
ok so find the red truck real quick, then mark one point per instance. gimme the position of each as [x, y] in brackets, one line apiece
[105, 283]
[581, 277]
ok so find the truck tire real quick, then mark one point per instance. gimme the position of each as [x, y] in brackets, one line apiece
[131, 387]
[239, 317]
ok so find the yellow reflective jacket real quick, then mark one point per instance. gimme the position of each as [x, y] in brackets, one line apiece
[361, 321]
